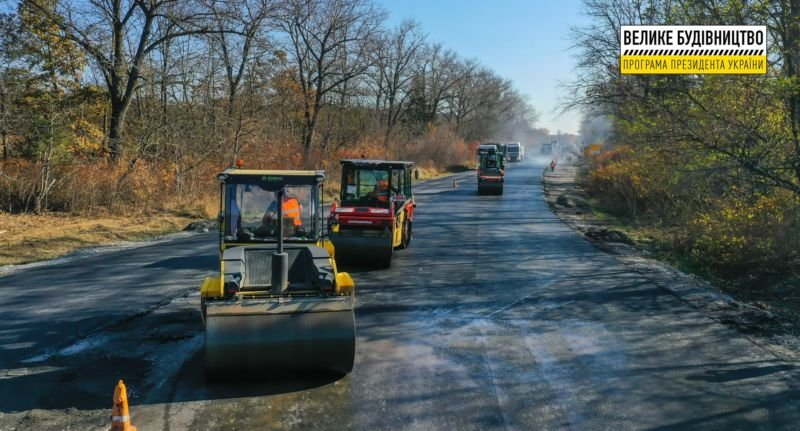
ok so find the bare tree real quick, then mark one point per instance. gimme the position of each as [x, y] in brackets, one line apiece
[482, 104]
[248, 20]
[117, 35]
[323, 37]
[439, 73]
[184, 86]
[466, 95]
[394, 59]
[599, 83]
[238, 50]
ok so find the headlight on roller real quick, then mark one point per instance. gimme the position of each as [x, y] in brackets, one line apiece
[232, 284]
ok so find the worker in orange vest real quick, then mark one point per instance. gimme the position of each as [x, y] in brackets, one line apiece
[292, 210]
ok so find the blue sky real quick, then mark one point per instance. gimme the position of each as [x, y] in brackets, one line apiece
[522, 40]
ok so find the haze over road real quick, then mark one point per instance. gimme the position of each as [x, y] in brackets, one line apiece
[497, 317]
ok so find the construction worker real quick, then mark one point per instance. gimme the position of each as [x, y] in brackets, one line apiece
[381, 191]
[292, 210]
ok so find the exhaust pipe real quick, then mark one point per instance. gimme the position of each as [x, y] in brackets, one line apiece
[280, 272]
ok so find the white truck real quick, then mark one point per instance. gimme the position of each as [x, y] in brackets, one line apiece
[549, 148]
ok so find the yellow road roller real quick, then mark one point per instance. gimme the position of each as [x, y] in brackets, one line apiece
[278, 303]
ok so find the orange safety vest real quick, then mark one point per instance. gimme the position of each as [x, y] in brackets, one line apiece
[291, 209]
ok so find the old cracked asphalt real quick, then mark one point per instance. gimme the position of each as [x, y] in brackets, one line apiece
[497, 317]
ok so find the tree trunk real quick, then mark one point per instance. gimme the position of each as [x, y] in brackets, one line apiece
[4, 132]
[45, 184]
[308, 132]
[5, 144]
[118, 111]
[164, 84]
[389, 121]
[237, 137]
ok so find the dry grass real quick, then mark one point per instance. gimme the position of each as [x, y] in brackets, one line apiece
[427, 173]
[202, 207]
[28, 238]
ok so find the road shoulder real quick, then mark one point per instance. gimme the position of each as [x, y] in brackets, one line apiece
[774, 329]
[29, 238]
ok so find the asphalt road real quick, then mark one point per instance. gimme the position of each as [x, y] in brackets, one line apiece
[497, 317]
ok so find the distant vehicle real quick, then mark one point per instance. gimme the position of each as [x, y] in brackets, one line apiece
[514, 152]
[592, 150]
[501, 148]
[491, 169]
[549, 148]
[486, 147]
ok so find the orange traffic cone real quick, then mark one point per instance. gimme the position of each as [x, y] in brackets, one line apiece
[120, 415]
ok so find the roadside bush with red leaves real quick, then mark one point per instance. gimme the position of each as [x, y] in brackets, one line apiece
[141, 186]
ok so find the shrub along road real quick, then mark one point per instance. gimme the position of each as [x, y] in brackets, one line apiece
[497, 316]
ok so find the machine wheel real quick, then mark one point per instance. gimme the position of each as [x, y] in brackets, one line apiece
[211, 375]
[406, 239]
[387, 261]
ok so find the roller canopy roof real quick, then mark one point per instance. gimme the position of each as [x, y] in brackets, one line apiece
[271, 179]
[395, 164]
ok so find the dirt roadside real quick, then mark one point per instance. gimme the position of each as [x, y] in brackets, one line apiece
[774, 326]
[26, 238]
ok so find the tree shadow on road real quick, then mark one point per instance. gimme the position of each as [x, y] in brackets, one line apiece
[721, 376]
[206, 261]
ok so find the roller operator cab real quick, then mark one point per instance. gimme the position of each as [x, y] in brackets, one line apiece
[278, 303]
[502, 150]
[375, 212]
[514, 152]
[491, 170]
